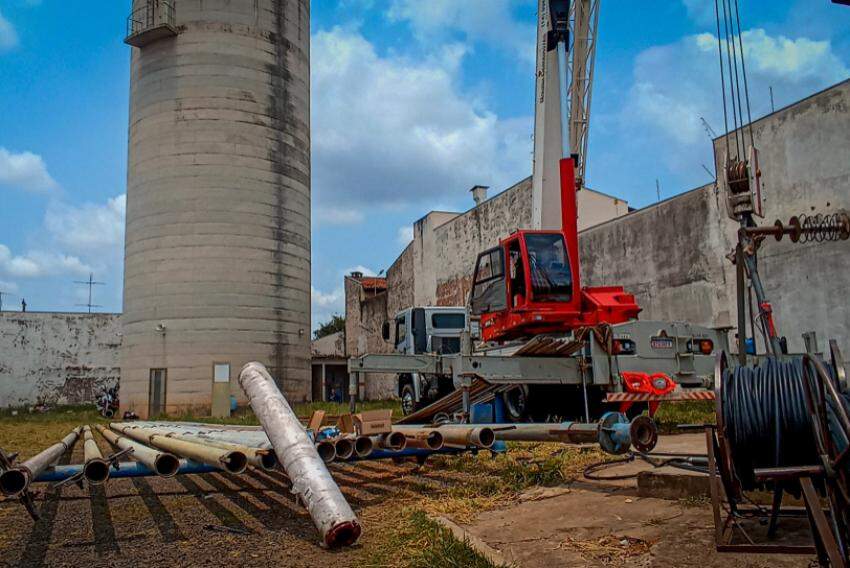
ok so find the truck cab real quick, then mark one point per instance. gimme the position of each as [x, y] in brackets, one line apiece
[421, 330]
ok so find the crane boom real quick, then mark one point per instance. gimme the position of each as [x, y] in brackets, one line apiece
[549, 142]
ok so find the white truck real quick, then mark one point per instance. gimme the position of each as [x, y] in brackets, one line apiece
[425, 330]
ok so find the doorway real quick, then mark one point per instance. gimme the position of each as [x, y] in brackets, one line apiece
[156, 395]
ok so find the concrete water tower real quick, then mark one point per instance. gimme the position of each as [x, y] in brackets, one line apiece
[217, 252]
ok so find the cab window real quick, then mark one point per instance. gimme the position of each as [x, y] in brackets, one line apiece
[400, 330]
[551, 279]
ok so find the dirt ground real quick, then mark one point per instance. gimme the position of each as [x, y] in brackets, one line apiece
[220, 519]
[593, 523]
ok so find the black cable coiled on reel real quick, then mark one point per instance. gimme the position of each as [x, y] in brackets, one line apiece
[766, 419]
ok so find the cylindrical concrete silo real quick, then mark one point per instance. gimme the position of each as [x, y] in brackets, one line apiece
[217, 252]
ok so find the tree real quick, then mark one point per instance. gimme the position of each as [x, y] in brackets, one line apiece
[333, 325]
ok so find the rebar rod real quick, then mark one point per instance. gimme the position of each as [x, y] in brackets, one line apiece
[164, 464]
[15, 481]
[311, 481]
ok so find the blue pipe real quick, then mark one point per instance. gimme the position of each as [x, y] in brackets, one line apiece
[125, 469]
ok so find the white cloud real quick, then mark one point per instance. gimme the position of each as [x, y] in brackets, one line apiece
[676, 84]
[391, 131]
[24, 170]
[487, 21]
[8, 35]
[37, 264]
[90, 227]
[359, 268]
[404, 235]
[335, 216]
[324, 305]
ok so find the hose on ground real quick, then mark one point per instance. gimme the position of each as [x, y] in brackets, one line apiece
[688, 462]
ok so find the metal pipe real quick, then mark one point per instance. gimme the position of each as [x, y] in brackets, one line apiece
[311, 481]
[391, 441]
[96, 469]
[613, 432]
[163, 463]
[363, 446]
[15, 481]
[423, 439]
[232, 461]
[124, 469]
[326, 451]
[343, 447]
[457, 435]
[258, 457]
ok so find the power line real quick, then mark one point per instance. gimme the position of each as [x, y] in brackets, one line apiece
[91, 284]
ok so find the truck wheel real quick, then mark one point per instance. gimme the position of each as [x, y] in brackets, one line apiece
[408, 399]
[516, 403]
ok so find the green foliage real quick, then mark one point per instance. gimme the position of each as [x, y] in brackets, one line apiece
[333, 325]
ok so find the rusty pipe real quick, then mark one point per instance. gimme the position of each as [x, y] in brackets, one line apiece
[15, 481]
[423, 439]
[163, 463]
[326, 451]
[344, 447]
[363, 446]
[391, 441]
[311, 481]
[456, 435]
[231, 461]
[96, 469]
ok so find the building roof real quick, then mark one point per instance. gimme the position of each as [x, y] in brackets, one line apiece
[373, 282]
[328, 347]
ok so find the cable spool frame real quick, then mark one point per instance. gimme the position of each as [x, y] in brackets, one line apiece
[828, 532]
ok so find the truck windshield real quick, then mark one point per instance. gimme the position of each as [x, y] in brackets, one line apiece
[551, 280]
[448, 321]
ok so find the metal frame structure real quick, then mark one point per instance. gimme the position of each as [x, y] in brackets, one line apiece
[584, 25]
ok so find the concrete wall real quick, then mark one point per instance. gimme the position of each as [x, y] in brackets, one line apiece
[218, 202]
[669, 255]
[365, 313]
[57, 358]
[805, 162]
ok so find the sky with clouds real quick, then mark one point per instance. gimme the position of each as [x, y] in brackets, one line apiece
[413, 102]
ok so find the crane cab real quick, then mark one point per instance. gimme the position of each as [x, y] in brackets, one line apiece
[529, 284]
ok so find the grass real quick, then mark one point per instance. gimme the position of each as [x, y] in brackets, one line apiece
[672, 414]
[419, 542]
[29, 433]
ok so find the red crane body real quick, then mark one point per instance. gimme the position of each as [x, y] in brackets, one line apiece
[530, 284]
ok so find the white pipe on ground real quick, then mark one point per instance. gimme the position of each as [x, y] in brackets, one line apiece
[311, 481]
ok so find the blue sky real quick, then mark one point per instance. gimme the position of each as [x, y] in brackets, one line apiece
[414, 101]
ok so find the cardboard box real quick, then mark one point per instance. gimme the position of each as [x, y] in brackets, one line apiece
[373, 422]
[316, 420]
[345, 423]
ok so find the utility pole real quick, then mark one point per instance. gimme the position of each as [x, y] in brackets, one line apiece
[657, 189]
[91, 284]
[772, 109]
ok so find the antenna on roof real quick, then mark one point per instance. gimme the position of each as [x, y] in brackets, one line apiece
[90, 283]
